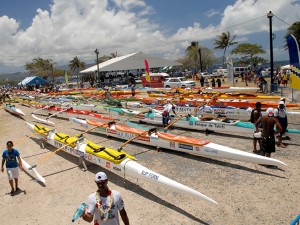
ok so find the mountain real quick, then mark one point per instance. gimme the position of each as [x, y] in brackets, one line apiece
[19, 76]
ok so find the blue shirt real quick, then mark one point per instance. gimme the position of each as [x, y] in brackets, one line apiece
[11, 158]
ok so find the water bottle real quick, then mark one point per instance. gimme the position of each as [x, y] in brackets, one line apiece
[79, 212]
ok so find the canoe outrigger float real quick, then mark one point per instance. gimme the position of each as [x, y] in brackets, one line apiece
[176, 143]
[193, 123]
[32, 171]
[13, 110]
[67, 110]
[118, 161]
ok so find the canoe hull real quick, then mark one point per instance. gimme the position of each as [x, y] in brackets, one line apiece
[209, 149]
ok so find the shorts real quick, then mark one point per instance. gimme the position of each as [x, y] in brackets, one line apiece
[165, 120]
[12, 173]
[268, 144]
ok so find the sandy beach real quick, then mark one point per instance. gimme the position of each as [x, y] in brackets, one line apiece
[246, 193]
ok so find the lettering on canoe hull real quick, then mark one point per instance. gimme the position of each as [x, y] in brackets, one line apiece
[184, 146]
[150, 175]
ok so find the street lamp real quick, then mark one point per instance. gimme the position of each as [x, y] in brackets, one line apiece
[270, 16]
[200, 60]
[97, 60]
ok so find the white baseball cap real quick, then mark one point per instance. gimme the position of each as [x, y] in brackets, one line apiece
[281, 103]
[101, 176]
[270, 112]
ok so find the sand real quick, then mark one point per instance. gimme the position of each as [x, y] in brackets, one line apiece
[246, 193]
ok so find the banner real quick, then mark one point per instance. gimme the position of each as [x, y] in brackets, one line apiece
[147, 71]
[229, 69]
[66, 77]
[294, 61]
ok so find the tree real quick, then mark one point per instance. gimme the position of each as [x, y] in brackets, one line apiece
[294, 29]
[75, 65]
[223, 41]
[41, 67]
[192, 52]
[248, 53]
[192, 58]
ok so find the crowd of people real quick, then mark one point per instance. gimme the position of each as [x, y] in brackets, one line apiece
[264, 128]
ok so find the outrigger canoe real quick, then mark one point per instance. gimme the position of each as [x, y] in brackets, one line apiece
[115, 160]
[177, 143]
[192, 122]
[13, 110]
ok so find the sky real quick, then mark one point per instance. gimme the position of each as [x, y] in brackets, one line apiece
[62, 29]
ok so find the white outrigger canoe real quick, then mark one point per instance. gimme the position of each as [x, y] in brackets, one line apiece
[178, 143]
[118, 161]
[191, 122]
[32, 171]
[13, 110]
[229, 111]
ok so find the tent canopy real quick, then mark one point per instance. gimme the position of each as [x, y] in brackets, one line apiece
[131, 62]
[32, 81]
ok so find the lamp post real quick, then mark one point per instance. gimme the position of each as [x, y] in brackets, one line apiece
[97, 60]
[200, 60]
[270, 16]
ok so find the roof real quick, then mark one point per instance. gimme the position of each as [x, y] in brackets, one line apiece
[131, 62]
[32, 80]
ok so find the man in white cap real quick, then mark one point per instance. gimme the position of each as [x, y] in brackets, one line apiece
[268, 137]
[104, 204]
[281, 115]
[166, 113]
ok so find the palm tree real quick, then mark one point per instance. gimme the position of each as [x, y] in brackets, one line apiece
[192, 52]
[223, 41]
[294, 29]
[75, 65]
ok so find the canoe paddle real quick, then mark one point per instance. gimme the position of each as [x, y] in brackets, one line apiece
[136, 136]
[42, 160]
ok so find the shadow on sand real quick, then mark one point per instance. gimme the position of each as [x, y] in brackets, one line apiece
[118, 180]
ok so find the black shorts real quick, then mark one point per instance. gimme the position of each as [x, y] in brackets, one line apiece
[268, 144]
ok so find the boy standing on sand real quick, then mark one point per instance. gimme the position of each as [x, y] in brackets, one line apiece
[10, 156]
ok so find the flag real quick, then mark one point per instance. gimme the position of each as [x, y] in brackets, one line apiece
[294, 54]
[229, 69]
[66, 77]
[147, 71]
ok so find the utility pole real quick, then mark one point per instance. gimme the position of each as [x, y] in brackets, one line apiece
[270, 15]
[97, 60]
[200, 59]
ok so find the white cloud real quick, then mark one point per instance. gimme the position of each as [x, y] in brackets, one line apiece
[212, 12]
[78, 27]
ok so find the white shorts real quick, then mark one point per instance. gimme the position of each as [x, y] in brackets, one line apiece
[13, 173]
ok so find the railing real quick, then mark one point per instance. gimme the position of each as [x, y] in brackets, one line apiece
[296, 221]
[285, 91]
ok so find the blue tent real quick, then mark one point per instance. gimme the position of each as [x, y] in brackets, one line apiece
[32, 81]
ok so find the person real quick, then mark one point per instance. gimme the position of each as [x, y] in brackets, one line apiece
[206, 83]
[202, 81]
[219, 82]
[268, 138]
[255, 115]
[281, 115]
[10, 156]
[104, 204]
[112, 125]
[107, 94]
[246, 76]
[284, 79]
[166, 113]
[213, 82]
[132, 89]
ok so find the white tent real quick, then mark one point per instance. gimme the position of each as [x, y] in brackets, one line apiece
[131, 62]
[286, 67]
